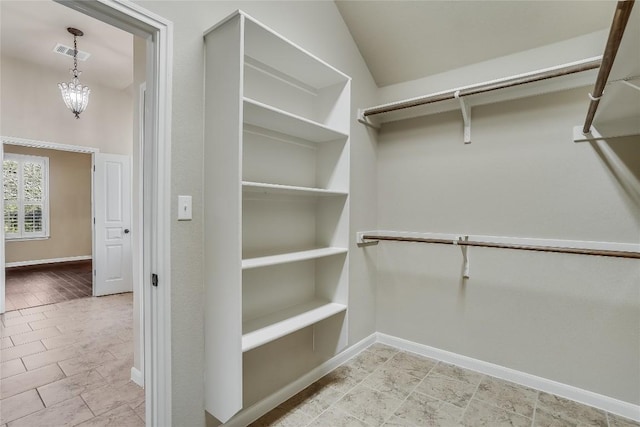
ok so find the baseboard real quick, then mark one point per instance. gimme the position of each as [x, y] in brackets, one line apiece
[47, 261]
[137, 377]
[609, 404]
[260, 408]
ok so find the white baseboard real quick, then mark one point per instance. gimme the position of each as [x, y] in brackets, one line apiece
[260, 408]
[137, 377]
[609, 404]
[47, 261]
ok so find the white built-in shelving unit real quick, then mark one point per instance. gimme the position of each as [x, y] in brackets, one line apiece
[276, 211]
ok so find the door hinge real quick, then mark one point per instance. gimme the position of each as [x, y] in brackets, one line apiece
[94, 272]
[94, 220]
[94, 168]
[154, 279]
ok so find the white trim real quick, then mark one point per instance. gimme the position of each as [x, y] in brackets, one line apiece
[2, 245]
[47, 145]
[20, 202]
[158, 32]
[586, 397]
[26, 239]
[47, 261]
[260, 408]
[137, 377]
[138, 256]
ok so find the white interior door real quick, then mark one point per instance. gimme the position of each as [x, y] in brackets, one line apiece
[112, 211]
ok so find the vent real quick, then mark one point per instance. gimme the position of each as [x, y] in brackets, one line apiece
[68, 51]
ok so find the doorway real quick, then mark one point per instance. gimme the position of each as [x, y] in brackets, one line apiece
[155, 310]
[77, 241]
[48, 224]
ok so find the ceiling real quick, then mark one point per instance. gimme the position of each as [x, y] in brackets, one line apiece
[29, 30]
[406, 40]
[399, 40]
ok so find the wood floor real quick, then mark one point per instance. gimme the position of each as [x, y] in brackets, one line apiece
[34, 286]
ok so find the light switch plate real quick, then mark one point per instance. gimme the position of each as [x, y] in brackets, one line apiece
[184, 208]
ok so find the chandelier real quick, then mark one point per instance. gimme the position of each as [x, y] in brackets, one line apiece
[75, 95]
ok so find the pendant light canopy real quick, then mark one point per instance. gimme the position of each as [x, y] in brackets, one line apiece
[75, 95]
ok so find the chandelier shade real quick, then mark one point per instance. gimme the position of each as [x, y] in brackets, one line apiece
[74, 94]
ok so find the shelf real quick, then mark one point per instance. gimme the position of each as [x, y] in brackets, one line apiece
[291, 190]
[270, 48]
[265, 116]
[291, 257]
[268, 328]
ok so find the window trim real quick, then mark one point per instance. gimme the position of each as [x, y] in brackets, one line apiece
[22, 235]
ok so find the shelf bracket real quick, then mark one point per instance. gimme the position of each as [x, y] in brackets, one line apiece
[364, 243]
[363, 119]
[465, 256]
[594, 135]
[466, 117]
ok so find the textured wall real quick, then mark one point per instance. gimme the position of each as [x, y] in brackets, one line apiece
[573, 319]
[32, 108]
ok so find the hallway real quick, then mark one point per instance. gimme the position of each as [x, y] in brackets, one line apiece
[70, 364]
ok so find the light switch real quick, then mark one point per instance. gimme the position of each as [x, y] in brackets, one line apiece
[184, 208]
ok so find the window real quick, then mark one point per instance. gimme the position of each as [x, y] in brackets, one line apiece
[26, 196]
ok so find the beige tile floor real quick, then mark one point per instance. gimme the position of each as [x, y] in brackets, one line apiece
[383, 386]
[69, 364]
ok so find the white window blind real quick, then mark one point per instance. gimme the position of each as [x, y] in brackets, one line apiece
[26, 196]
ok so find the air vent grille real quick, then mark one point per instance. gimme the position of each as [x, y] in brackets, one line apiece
[68, 51]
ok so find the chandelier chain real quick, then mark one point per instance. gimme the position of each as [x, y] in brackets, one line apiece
[75, 56]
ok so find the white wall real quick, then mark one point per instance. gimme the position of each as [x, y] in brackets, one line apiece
[573, 319]
[317, 27]
[32, 108]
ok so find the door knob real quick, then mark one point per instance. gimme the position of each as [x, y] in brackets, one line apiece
[126, 231]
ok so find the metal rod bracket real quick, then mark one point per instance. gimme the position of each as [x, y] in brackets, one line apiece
[466, 117]
[362, 243]
[631, 85]
[465, 256]
[363, 119]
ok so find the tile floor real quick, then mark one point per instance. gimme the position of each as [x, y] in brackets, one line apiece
[383, 386]
[69, 364]
[34, 286]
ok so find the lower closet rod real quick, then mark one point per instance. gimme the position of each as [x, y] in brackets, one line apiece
[557, 249]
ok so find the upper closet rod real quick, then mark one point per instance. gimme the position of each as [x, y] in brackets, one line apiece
[486, 87]
[537, 248]
[620, 19]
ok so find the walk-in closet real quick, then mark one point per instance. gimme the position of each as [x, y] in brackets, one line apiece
[360, 213]
[460, 248]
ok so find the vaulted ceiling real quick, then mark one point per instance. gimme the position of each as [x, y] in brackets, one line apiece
[399, 40]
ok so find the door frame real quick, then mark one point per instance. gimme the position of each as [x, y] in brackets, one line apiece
[158, 32]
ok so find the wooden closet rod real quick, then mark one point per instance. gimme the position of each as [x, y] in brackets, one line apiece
[620, 19]
[485, 87]
[578, 251]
